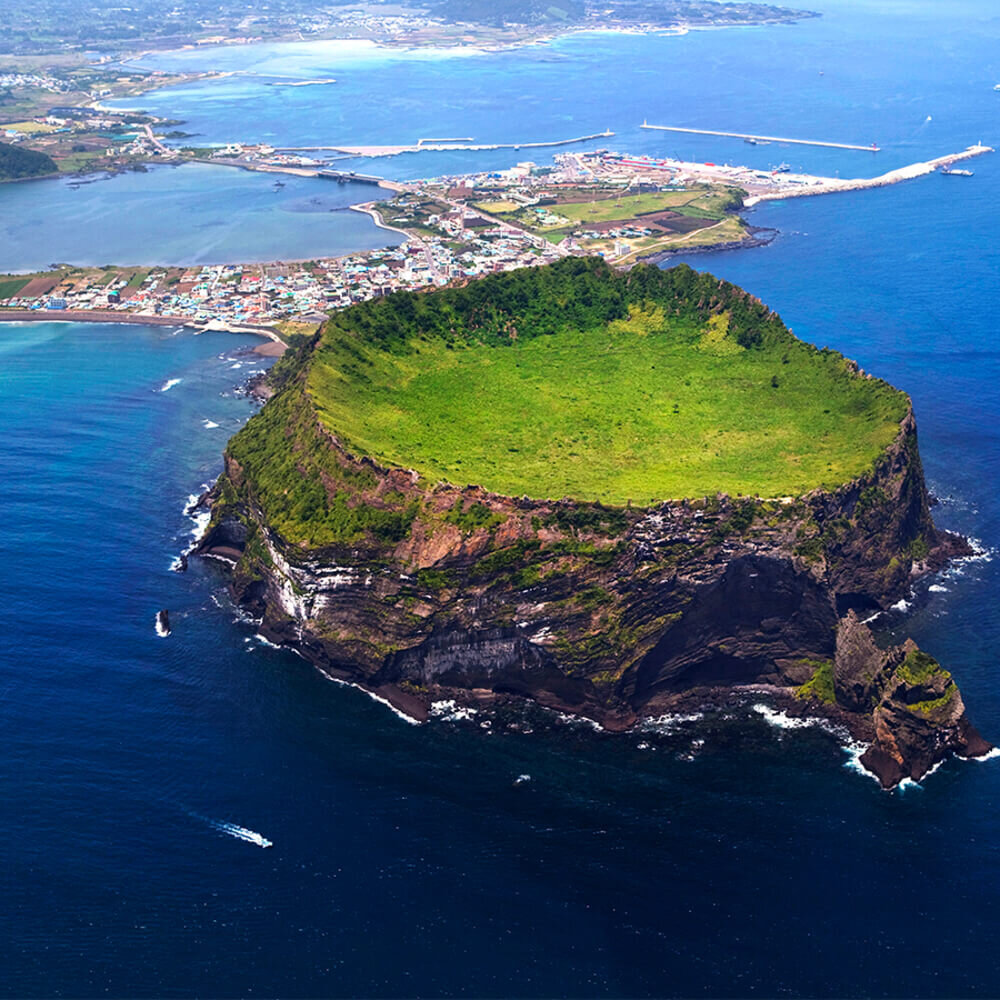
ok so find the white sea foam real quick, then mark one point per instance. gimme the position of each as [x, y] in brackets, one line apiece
[197, 515]
[900, 605]
[264, 641]
[371, 694]
[240, 832]
[908, 783]
[992, 755]
[936, 588]
[852, 747]
[578, 720]
[669, 722]
[449, 711]
[522, 779]
[854, 750]
[980, 553]
[209, 424]
[176, 564]
[782, 720]
[169, 384]
[234, 367]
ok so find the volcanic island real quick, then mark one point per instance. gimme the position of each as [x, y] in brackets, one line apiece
[617, 494]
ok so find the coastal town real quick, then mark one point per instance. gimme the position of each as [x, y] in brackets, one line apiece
[444, 230]
[285, 297]
[441, 231]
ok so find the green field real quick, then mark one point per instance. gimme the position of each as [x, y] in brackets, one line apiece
[631, 206]
[664, 402]
[9, 287]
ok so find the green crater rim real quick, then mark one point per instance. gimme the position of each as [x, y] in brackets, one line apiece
[576, 381]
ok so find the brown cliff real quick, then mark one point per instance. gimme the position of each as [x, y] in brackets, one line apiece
[917, 716]
[425, 591]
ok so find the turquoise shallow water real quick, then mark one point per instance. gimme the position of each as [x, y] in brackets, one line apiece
[406, 860]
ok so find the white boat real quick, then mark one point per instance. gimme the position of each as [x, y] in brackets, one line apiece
[956, 173]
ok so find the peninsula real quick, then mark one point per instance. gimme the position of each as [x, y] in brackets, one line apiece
[617, 494]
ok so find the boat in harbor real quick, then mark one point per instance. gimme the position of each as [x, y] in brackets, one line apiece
[954, 172]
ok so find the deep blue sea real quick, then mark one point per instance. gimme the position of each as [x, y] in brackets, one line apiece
[725, 857]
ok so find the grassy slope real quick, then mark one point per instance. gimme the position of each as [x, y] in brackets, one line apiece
[644, 409]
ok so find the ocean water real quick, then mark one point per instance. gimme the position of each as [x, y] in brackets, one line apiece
[722, 856]
[193, 214]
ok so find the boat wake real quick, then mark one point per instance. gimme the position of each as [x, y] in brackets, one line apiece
[169, 384]
[239, 832]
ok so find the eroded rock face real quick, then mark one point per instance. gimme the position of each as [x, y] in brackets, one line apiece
[917, 712]
[609, 613]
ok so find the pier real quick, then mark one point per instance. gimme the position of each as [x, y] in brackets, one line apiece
[873, 148]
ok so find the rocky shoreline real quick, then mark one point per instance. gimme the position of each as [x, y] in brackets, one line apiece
[760, 236]
[689, 639]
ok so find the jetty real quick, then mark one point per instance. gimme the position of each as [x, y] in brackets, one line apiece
[442, 146]
[872, 148]
[795, 186]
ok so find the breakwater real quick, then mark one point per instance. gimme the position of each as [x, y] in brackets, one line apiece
[830, 185]
[426, 145]
[871, 148]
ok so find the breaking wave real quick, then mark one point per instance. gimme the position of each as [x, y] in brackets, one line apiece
[668, 723]
[449, 711]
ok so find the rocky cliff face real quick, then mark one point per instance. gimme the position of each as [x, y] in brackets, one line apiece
[610, 613]
[917, 716]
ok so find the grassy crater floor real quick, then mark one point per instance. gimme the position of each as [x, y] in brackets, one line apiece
[693, 389]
